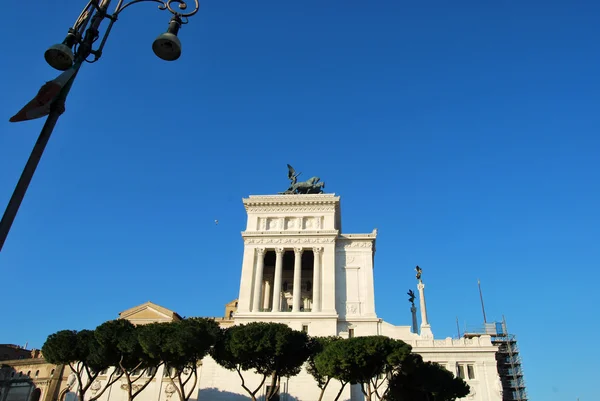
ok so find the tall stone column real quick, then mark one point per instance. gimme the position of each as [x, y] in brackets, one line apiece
[297, 294]
[258, 279]
[277, 280]
[425, 327]
[267, 296]
[316, 288]
[421, 287]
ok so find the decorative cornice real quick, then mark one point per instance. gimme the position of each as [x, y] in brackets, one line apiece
[291, 208]
[291, 203]
[329, 233]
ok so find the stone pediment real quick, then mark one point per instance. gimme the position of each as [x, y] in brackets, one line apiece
[149, 313]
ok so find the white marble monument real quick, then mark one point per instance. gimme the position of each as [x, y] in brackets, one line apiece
[300, 269]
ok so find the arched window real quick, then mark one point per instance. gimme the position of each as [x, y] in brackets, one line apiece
[29, 373]
[37, 373]
[52, 372]
[20, 374]
[236, 304]
[231, 314]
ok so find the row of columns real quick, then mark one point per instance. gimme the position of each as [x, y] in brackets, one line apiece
[278, 277]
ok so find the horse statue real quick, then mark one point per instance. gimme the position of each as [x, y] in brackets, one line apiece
[313, 185]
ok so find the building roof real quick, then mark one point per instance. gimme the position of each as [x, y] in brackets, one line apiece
[149, 312]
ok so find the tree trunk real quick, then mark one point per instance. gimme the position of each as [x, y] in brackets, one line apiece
[337, 397]
[323, 390]
[271, 392]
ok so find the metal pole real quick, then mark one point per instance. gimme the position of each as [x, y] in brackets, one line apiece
[481, 298]
[57, 108]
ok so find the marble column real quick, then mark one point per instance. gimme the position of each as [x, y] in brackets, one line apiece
[258, 279]
[277, 280]
[421, 287]
[316, 288]
[297, 289]
[267, 296]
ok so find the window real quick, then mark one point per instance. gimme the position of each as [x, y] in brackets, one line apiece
[305, 328]
[51, 372]
[350, 333]
[104, 372]
[37, 373]
[20, 374]
[29, 373]
[231, 314]
[470, 372]
[461, 371]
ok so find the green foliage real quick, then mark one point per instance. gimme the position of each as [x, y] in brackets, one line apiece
[360, 359]
[188, 341]
[180, 345]
[270, 349]
[119, 340]
[317, 346]
[81, 352]
[425, 381]
[266, 348]
[69, 346]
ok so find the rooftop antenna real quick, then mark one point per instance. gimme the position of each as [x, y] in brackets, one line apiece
[481, 298]
[457, 327]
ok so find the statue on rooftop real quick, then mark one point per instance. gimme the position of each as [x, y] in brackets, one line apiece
[313, 185]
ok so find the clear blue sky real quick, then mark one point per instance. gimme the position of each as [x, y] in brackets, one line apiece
[465, 131]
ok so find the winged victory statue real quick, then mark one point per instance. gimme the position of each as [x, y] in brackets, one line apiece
[313, 185]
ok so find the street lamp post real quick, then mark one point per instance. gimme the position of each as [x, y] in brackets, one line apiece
[70, 54]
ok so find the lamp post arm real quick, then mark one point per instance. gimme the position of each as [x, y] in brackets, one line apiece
[57, 108]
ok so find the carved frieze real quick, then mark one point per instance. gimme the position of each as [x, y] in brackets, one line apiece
[134, 387]
[292, 209]
[95, 387]
[354, 244]
[352, 308]
[282, 241]
[169, 390]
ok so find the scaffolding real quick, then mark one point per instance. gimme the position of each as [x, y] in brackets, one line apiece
[508, 359]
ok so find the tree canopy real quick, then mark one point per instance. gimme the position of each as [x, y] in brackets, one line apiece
[120, 340]
[362, 360]
[425, 381]
[81, 352]
[269, 349]
[317, 346]
[181, 346]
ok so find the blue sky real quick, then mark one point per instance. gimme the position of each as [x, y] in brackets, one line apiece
[466, 132]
